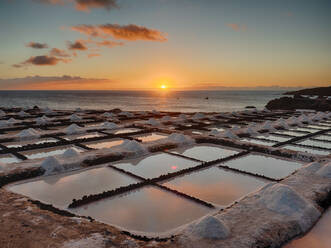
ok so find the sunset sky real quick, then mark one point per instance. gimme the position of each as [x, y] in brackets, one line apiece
[183, 44]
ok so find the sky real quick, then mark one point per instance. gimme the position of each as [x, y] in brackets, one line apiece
[182, 44]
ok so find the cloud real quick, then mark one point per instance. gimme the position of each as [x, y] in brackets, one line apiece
[37, 45]
[85, 5]
[236, 27]
[129, 32]
[42, 60]
[56, 82]
[93, 55]
[77, 45]
[59, 53]
[108, 43]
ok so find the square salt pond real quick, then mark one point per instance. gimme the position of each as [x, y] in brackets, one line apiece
[276, 138]
[323, 137]
[259, 142]
[123, 131]
[315, 143]
[104, 143]
[52, 151]
[307, 150]
[156, 165]
[291, 133]
[82, 136]
[319, 127]
[22, 143]
[206, 152]
[150, 137]
[216, 185]
[148, 209]
[262, 165]
[8, 159]
[60, 190]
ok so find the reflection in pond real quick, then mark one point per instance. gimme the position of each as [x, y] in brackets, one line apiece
[104, 143]
[216, 185]
[206, 152]
[305, 149]
[8, 159]
[46, 152]
[156, 165]
[148, 209]
[318, 237]
[60, 190]
[150, 137]
[310, 142]
[262, 165]
[29, 142]
[83, 136]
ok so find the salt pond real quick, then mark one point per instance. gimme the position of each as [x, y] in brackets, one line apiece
[259, 142]
[310, 142]
[104, 143]
[46, 152]
[83, 136]
[60, 190]
[148, 209]
[206, 152]
[150, 137]
[8, 159]
[29, 142]
[155, 165]
[306, 149]
[267, 166]
[216, 185]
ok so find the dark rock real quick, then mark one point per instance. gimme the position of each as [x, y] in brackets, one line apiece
[289, 103]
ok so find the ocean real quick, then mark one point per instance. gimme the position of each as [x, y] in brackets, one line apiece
[175, 101]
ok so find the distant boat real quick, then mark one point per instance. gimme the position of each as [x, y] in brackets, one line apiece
[206, 98]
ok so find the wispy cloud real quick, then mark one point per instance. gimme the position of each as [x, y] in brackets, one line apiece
[37, 45]
[129, 32]
[236, 27]
[85, 5]
[42, 60]
[77, 45]
[92, 55]
[59, 53]
[56, 82]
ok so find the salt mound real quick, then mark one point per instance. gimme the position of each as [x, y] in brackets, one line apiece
[11, 120]
[107, 114]
[2, 166]
[266, 110]
[75, 117]
[183, 116]
[229, 134]
[2, 113]
[133, 146]
[126, 114]
[281, 123]
[284, 200]
[293, 121]
[72, 129]
[109, 125]
[51, 165]
[268, 125]
[209, 227]
[166, 118]
[304, 118]
[250, 130]
[155, 112]
[28, 133]
[78, 110]
[22, 114]
[180, 138]
[153, 122]
[71, 152]
[48, 111]
[42, 120]
[214, 132]
[198, 116]
[325, 171]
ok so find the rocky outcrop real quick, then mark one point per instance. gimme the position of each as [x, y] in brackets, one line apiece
[320, 91]
[289, 103]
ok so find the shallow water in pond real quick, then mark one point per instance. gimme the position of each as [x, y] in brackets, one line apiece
[206, 152]
[259, 142]
[29, 142]
[220, 129]
[310, 142]
[318, 237]
[216, 185]
[150, 137]
[291, 133]
[323, 137]
[274, 137]
[318, 127]
[148, 209]
[8, 159]
[82, 136]
[304, 129]
[156, 165]
[60, 190]
[262, 165]
[46, 152]
[304, 149]
[125, 130]
[104, 143]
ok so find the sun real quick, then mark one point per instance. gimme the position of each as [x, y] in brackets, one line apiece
[163, 86]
